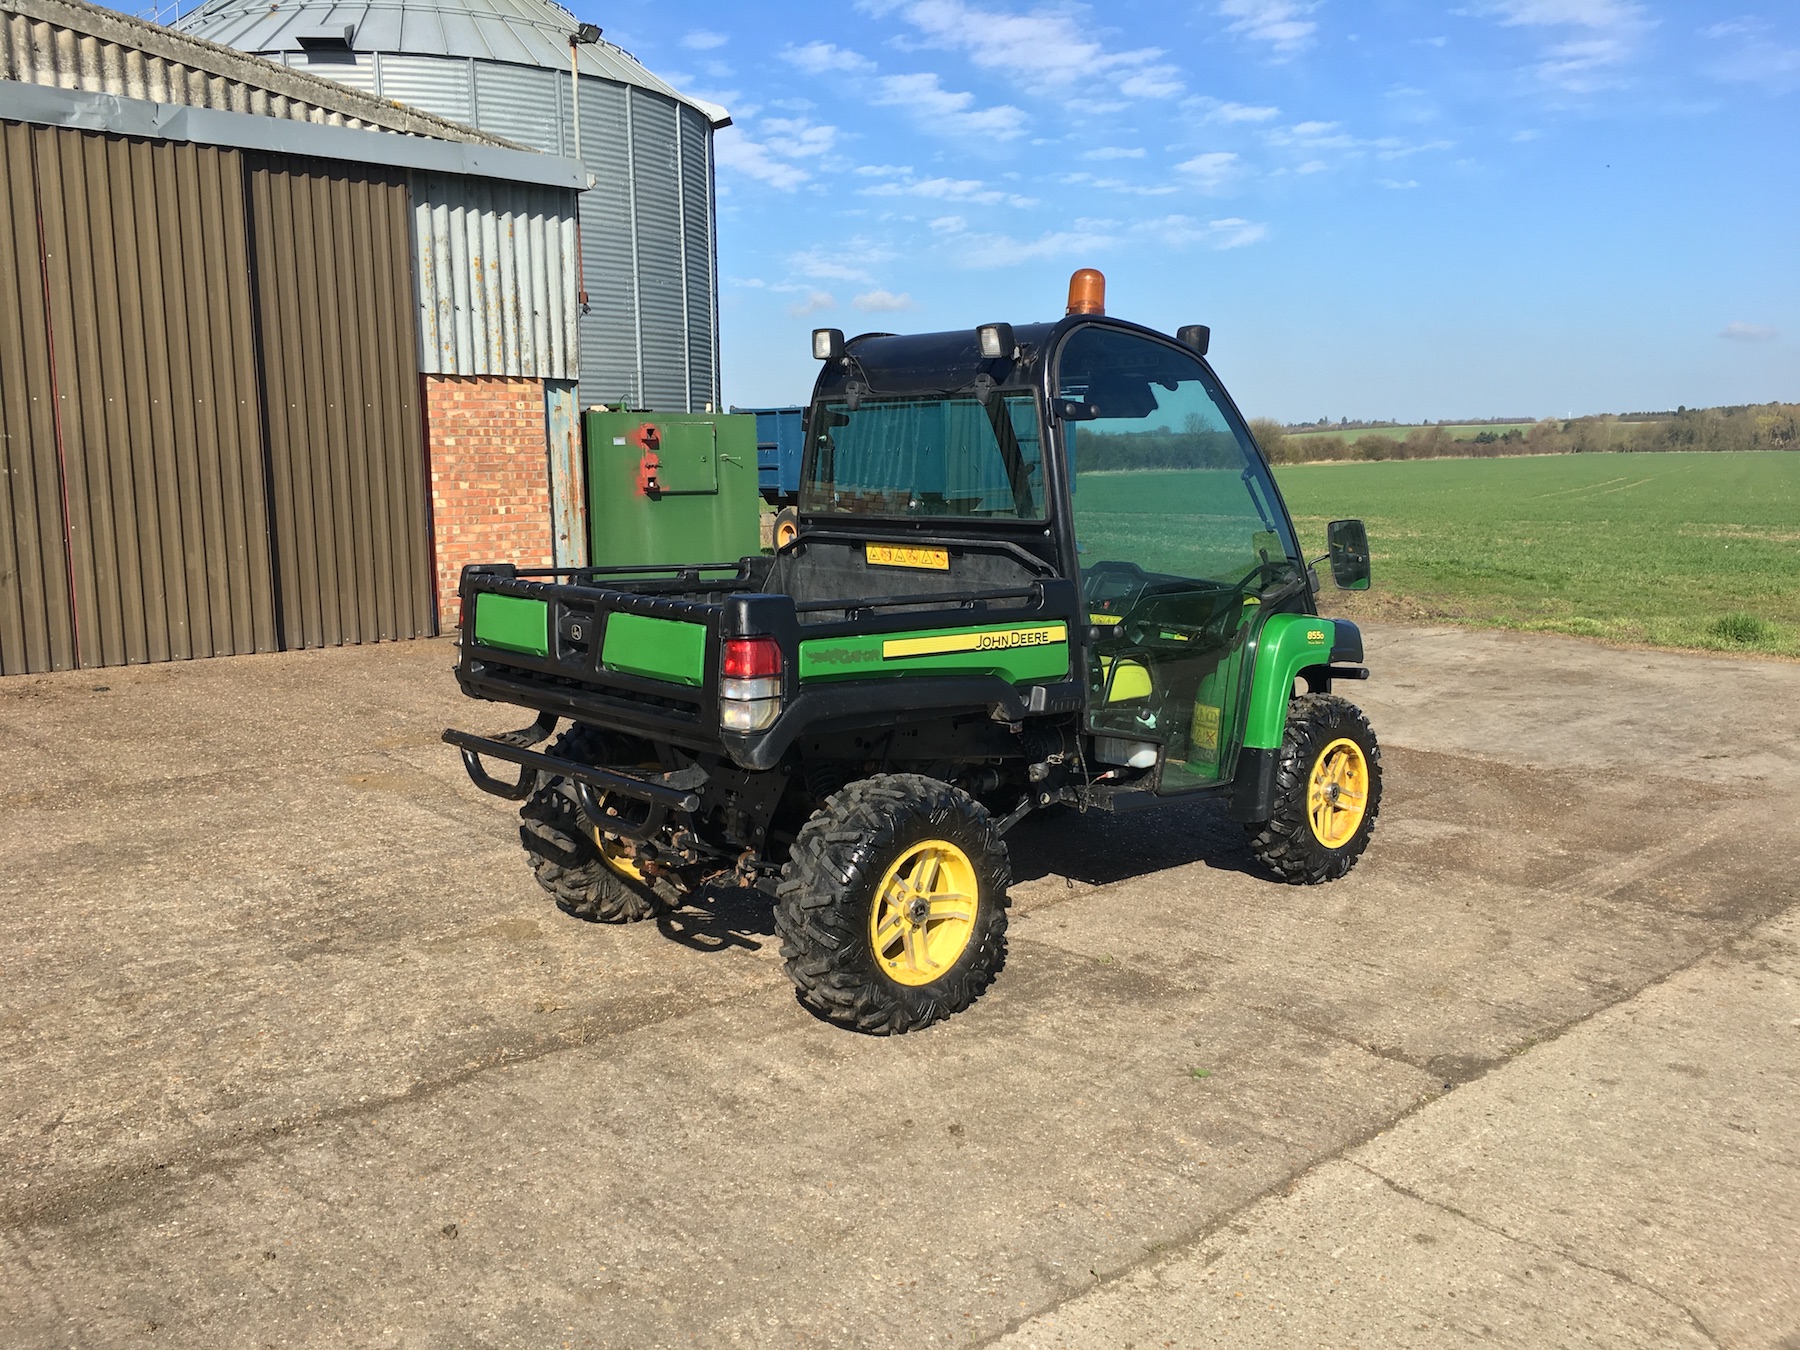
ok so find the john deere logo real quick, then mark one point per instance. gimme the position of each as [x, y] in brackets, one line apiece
[1315, 635]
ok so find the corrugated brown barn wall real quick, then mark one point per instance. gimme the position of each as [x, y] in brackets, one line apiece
[336, 319]
[209, 404]
[149, 301]
[36, 632]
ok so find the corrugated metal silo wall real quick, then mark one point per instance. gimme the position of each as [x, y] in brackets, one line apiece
[662, 279]
[496, 267]
[649, 333]
[699, 253]
[610, 369]
[439, 84]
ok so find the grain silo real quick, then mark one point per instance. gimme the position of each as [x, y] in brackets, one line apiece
[649, 333]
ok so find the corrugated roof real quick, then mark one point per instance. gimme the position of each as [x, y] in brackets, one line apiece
[73, 45]
[518, 32]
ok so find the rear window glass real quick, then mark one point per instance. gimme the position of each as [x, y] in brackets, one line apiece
[927, 456]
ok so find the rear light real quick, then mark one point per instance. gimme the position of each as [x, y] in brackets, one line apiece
[750, 684]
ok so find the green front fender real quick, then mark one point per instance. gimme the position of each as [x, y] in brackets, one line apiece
[1287, 645]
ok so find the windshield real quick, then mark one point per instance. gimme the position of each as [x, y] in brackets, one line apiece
[1165, 480]
[926, 456]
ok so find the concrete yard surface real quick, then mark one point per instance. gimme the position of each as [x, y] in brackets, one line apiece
[296, 1053]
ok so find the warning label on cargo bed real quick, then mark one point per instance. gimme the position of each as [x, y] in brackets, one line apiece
[896, 555]
[995, 640]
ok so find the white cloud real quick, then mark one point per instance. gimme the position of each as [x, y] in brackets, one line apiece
[1181, 231]
[949, 224]
[1000, 250]
[797, 138]
[1088, 180]
[1050, 45]
[814, 302]
[704, 40]
[735, 151]
[1313, 166]
[1212, 171]
[1738, 331]
[851, 263]
[1114, 152]
[1610, 34]
[1398, 185]
[947, 111]
[1280, 23]
[883, 302]
[1755, 59]
[1242, 112]
[816, 58]
[949, 190]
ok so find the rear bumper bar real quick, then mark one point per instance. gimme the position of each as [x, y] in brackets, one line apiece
[675, 793]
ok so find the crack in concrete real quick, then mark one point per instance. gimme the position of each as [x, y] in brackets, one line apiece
[94, 1198]
[1549, 1250]
[1169, 1250]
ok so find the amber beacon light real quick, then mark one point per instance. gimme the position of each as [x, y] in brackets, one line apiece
[1087, 292]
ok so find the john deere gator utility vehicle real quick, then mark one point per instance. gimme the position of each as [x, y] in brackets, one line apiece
[1036, 566]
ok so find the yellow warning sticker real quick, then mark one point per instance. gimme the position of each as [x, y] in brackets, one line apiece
[1204, 732]
[896, 555]
[994, 640]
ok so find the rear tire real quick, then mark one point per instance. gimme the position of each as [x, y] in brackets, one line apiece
[892, 906]
[1327, 793]
[566, 855]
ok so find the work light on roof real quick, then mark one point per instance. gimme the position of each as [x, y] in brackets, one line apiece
[996, 341]
[828, 344]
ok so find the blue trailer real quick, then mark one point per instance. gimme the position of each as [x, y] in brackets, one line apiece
[780, 432]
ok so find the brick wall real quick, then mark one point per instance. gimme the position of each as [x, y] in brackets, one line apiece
[490, 476]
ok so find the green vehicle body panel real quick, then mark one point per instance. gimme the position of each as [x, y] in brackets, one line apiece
[513, 623]
[1019, 653]
[1288, 644]
[658, 649]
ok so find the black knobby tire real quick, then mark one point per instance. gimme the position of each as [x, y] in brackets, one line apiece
[1286, 842]
[564, 856]
[827, 894]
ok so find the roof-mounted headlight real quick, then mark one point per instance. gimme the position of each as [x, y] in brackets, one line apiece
[828, 344]
[996, 341]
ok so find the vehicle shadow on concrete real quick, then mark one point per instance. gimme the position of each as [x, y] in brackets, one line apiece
[721, 919]
[1092, 848]
[1098, 847]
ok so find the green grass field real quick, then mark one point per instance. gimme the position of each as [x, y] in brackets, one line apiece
[1675, 550]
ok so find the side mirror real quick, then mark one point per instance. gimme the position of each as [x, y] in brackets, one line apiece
[1348, 541]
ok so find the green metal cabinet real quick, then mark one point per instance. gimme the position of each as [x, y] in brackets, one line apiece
[671, 488]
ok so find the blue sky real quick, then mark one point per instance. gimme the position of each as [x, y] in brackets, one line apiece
[1385, 209]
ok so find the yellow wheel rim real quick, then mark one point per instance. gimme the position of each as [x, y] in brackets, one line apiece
[1337, 793]
[785, 533]
[924, 912]
[615, 855]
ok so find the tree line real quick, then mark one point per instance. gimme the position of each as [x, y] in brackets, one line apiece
[1757, 426]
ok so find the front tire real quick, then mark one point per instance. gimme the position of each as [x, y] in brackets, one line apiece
[589, 874]
[892, 906]
[1327, 793]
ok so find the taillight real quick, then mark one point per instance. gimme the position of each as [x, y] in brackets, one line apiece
[750, 683]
